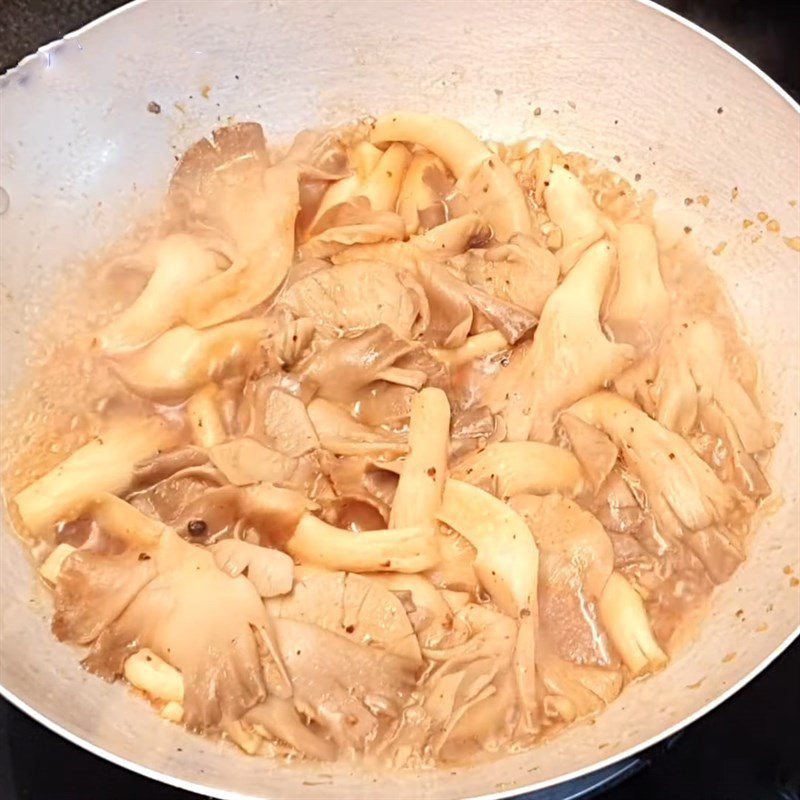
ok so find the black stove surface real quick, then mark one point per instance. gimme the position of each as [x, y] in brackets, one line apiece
[747, 749]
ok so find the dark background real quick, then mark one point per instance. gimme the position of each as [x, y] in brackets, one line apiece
[748, 749]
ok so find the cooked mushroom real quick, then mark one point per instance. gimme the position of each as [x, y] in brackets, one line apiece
[174, 601]
[570, 356]
[638, 312]
[358, 296]
[571, 208]
[230, 186]
[509, 468]
[181, 263]
[353, 606]
[104, 464]
[486, 181]
[506, 564]
[410, 549]
[419, 197]
[182, 360]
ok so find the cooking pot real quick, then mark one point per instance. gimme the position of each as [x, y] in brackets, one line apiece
[90, 129]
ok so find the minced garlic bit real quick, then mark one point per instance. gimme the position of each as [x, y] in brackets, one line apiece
[746, 223]
[719, 248]
[793, 242]
[773, 226]
[762, 216]
[704, 199]
[734, 192]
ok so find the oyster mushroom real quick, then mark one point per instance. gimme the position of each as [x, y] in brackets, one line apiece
[181, 263]
[105, 464]
[229, 186]
[571, 355]
[489, 185]
[509, 468]
[182, 360]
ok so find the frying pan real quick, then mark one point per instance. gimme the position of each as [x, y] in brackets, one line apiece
[82, 156]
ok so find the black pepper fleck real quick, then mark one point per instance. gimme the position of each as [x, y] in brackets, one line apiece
[197, 527]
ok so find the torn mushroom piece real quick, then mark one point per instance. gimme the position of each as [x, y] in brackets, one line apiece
[412, 549]
[519, 272]
[570, 355]
[180, 264]
[342, 435]
[286, 426]
[376, 179]
[353, 606]
[345, 687]
[358, 296]
[352, 223]
[695, 372]
[435, 622]
[594, 450]
[170, 597]
[339, 368]
[321, 159]
[269, 570]
[681, 489]
[440, 244]
[288, 338]
[180, 487]
[420, 201]
[452, 302]
[364, 488]
[182, 360]
[470, 696]
[105, 464]
[580, 597]
[246, 461]
[509, 468]
[575, 560]
[230, 187]
[278, 718]
[638, 311]
[570, 206]
[419, 491]
[488, 184]
[572, 691]
[507, 564]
